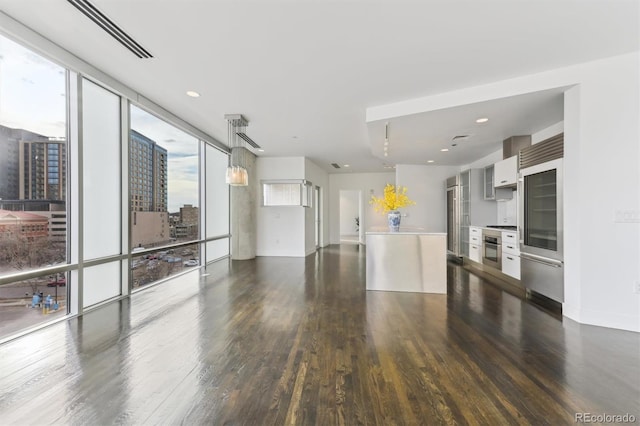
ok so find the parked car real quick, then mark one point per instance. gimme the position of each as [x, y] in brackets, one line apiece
[191, 262]
[58, 283]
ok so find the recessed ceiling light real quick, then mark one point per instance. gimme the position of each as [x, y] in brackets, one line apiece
[482, 120]
[430, 161]
[260, 150]
[193, 94]
[386, 143]
[386, 154]
[346, 165]
[444, 149]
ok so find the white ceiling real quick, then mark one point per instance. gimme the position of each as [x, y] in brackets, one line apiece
[303, 72]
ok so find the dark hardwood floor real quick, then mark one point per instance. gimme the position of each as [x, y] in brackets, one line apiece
[277, 341]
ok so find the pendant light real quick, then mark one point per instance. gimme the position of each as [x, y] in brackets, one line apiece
[237, 171]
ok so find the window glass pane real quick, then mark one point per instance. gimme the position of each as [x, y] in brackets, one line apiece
[101, 282]
[32, 160]
[33, 179]
[217, 249]
[28, 303]
[164, 174]
[101, 171]
[153, 266]
[217, 192]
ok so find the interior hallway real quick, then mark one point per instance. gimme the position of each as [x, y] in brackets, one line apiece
[299, 341]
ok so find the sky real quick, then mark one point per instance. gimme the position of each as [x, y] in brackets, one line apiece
[32, 97]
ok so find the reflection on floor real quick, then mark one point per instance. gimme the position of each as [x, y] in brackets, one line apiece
[300, 341]
[349, 239]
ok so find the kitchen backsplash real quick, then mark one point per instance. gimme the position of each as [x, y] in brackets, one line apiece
[508, 211]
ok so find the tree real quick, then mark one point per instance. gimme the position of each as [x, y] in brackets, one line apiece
[23, 253]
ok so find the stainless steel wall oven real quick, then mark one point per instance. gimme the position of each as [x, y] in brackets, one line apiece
[492, 248]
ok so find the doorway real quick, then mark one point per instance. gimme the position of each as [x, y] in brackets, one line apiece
[318, 215]
[350, 216]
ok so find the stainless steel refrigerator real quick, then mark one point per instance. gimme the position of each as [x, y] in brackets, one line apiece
[540, 216]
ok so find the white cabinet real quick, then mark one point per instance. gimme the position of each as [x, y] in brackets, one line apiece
[511, 254]
[475, 252]
[475, 244]
[511, 265]
[510, 243]
[489, 190]
[505, 172]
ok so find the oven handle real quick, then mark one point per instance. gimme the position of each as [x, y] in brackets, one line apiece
[543, 260]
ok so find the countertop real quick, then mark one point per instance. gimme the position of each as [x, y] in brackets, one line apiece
[404, 230]
[493, 229]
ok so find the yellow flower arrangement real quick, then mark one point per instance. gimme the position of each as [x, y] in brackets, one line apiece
[392, 200]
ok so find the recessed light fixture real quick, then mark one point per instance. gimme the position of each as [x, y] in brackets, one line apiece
[444, 149]
[386, 154]
[261, 150]
[430, 161]
[346, 165]
[482, 120]
[193, 94]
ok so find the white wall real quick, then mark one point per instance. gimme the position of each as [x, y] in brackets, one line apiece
[601, 176]
[280, 231]
[320, 178]
[349, 210]
[426, 186]
[368, 183]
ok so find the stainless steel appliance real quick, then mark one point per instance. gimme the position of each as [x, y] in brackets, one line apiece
[492, 248]
[541, 230]
[453, 215]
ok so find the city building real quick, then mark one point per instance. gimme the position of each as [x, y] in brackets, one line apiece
[54, 210]
[32, 167]
[29, 225]
[189, 215]
[147, 174]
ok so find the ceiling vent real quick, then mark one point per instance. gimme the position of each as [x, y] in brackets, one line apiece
[335, 165]
[91, 12]
[248, 140]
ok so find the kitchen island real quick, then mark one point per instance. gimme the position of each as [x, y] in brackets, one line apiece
[410, 260]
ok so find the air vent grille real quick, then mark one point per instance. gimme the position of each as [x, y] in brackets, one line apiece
[91, 12]
[335, 165]
[547, 150]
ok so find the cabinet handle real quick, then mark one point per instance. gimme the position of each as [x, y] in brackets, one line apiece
[510, 247]
[510, 258]
[503, 181]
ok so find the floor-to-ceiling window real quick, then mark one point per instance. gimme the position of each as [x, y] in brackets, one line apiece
[33, 179]
[164, 176]
[97, 196]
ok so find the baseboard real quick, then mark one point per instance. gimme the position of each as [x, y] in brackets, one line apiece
[505, 282]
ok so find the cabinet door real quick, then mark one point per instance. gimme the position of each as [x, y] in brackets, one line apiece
[475, 253]
[511, 265]
[510, 243]
[505, 172]
[489, 190]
